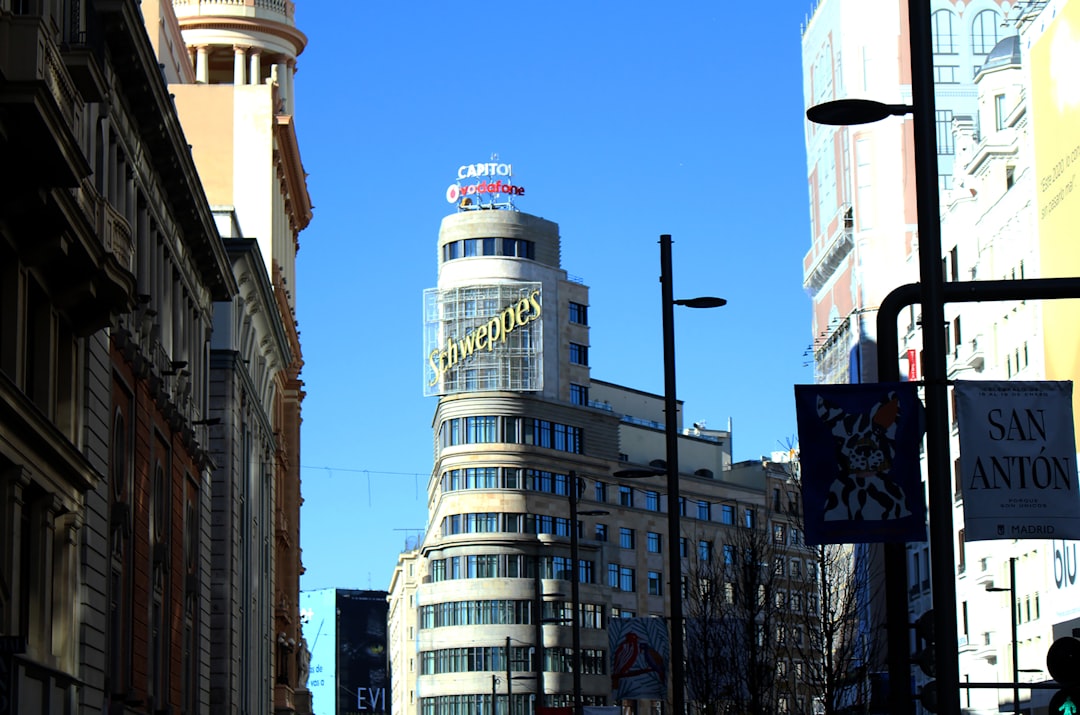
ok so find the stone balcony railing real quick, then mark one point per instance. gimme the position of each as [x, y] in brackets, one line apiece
[240, 8]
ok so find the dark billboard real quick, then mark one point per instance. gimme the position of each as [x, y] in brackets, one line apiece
[363, 671]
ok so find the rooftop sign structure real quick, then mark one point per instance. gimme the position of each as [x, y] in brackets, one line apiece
[489, 185]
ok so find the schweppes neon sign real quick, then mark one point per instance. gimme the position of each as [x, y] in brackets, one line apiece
[484, 337]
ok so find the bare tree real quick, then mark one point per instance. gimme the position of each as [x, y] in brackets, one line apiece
[732, 619]
[838, 647]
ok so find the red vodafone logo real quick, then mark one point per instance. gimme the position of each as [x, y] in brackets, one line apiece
[490, 178]
[455, 192]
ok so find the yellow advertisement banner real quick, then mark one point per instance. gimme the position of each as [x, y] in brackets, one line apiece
[1055, 108]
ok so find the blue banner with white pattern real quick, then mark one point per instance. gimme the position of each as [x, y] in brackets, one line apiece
[859, 459]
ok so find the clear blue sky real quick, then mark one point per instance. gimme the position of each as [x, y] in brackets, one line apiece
[623, 120]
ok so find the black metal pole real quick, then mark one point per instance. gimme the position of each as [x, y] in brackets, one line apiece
[494, 693]
[1015, 646]
[672, 453]
[574, 492]
[942, 567]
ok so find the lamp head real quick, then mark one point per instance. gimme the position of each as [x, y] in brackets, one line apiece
[845, 112]
[703, 302]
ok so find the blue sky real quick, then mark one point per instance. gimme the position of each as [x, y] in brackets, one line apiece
[623, 120]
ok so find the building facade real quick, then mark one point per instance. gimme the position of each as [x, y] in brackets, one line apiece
[233, 87]
[145, 363]
[481, 614]
[1000, 221]
[108, 314]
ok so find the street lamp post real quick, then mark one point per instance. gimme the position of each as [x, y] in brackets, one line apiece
[931, 289]
[671, 435]
[671, 454]
[1012, 622]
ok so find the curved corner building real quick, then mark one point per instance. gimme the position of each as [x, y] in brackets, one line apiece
[481, 611]
[506, 348]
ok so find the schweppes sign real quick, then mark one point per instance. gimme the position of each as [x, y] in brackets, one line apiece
[481, 338]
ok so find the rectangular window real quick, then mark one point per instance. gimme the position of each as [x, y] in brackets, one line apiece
[626, 496]
[613, 575]
[704, 550]
[626, 538]
[943, 122]
[652, 542]
[655, 584]
[748, 518]
[579, 395]
[703, 510]
[652, 500]
[778, 533]
[727, 514]
[946, 74]
[729, 554]
[683, 549]
[601, 492]
[999, 111]
[579, 354]
[601, 532]
[626, 578]
[578, 313]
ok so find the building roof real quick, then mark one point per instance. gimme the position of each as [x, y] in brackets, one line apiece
[1005, 52]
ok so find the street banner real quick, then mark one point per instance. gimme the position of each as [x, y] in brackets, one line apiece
[859, 456]
[639, 658]
[1017, 460]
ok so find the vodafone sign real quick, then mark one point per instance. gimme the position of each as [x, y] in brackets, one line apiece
[476, 180]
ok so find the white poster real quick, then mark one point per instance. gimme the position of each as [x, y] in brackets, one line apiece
[1017, 460]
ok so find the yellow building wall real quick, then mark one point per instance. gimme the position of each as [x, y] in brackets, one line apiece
[206, 112]
[1055, 105]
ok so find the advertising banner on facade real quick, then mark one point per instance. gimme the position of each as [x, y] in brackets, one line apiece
[318, 622]
[1017, 460]
[483, 337]
[639, 657]
[363, 673]
[1054, 108]
[859, 454]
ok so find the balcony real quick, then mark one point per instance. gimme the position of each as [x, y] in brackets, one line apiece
[985, 648]
[968, 355]
[260, 9]
[826, 256]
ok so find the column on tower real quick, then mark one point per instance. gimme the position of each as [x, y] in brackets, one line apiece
[255, 76]
[239, 55]
[202, 67]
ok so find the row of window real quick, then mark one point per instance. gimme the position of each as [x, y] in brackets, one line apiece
[535, 480]
[480, 704]
[473, 247]
[985, 32]
[505, 612]
[493, 658]
[488, 429]
[468, 660]
[508, 566]
[504, 522]
[483, 428]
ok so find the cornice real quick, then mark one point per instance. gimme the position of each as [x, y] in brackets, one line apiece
[295, 178]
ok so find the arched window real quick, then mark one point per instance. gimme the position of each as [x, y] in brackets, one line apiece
[985, 32]
[941, 29]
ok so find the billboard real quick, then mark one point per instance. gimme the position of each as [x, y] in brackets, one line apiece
[1055, 120]
[483, 337]
[363, 672]
[318, 620]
